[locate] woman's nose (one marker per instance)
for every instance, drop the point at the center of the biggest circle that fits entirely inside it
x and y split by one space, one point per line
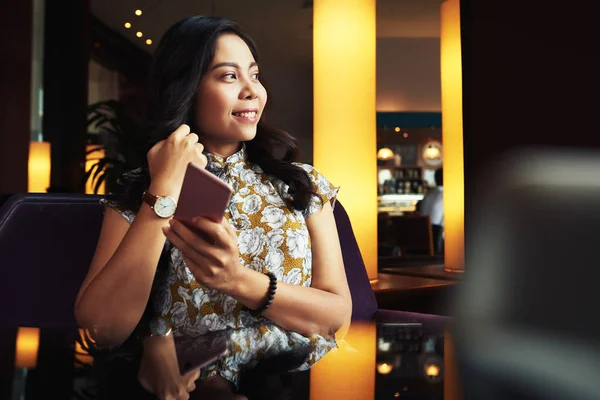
249 92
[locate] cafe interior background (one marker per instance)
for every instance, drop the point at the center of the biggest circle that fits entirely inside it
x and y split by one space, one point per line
521 68
408 100
402 126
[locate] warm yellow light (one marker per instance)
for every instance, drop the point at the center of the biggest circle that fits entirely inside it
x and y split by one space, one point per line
347 372
148 42
452 135
90 160
81 355
385 154
139 34
345 129
397 129
26 351
384 368
432 370
138 12
39 167
432 152
127 25
452 386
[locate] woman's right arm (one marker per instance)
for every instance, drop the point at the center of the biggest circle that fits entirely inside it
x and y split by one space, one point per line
114 294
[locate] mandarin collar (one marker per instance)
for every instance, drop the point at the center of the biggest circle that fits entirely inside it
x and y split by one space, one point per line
217 162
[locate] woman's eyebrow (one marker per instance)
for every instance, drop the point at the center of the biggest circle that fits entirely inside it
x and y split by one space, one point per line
233 65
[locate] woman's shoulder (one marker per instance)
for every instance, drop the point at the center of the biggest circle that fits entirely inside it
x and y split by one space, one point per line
305 166
324 190
310 169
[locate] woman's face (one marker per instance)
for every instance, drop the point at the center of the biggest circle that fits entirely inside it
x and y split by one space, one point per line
231 98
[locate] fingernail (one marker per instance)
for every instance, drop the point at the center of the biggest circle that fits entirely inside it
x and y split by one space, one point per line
166 229
171 222
195 219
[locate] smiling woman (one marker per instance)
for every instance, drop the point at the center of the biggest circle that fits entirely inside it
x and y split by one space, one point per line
268 279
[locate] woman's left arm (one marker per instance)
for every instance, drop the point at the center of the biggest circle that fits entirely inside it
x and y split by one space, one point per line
324 308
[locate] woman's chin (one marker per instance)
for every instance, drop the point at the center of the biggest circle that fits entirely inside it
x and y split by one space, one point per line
247 135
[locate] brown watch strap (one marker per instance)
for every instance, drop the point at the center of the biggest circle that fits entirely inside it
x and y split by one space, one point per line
149 199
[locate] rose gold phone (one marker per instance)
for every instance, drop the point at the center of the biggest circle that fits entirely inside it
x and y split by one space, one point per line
192 355
202 195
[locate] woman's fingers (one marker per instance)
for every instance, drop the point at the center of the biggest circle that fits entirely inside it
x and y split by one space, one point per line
197 239
180 392
189 379
180 132
216 232
228 228
191 251
198 263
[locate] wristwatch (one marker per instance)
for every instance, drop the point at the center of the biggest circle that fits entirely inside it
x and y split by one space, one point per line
163 206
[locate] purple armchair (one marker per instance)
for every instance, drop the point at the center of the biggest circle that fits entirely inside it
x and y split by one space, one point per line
47 242
364 304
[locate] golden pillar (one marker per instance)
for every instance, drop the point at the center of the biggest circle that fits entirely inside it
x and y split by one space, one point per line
345 131
38 167
452 136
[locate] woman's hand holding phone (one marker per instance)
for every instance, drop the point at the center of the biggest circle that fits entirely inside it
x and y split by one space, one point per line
210 251
159 371
169 158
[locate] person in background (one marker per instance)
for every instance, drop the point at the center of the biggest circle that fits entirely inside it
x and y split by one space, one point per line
432 205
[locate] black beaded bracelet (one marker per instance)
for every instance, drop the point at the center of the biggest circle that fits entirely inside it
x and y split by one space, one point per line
270 295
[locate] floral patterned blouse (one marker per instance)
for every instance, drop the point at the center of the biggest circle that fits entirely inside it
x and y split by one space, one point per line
271 237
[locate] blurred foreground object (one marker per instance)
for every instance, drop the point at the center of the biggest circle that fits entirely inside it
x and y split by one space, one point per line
528 325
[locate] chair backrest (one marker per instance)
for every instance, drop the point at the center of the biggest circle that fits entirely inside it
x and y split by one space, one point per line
46 245
47 242
364 304
412 232
383 227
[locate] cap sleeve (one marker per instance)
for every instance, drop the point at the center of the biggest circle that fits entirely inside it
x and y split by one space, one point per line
129 215
325 190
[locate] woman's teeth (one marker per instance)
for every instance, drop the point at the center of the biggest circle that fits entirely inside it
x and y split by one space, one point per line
251 114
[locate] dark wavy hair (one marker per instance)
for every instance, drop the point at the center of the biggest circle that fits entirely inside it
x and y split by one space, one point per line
183 56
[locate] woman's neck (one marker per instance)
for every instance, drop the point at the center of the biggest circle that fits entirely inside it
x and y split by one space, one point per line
222 150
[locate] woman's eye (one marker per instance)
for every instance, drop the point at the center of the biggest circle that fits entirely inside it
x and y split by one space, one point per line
256 76
230 76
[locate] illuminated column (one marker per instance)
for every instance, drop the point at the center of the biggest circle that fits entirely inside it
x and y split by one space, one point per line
26 352
347 372
345 133
452 136
39 167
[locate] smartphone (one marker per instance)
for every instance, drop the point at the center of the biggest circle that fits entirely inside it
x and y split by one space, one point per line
192 356
202 195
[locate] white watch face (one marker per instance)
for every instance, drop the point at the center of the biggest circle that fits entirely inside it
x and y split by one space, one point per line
165 207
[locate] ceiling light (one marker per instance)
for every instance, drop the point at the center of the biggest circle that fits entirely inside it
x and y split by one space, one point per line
138 12
385 154
384 368
139 34
148 42
432 370
127 25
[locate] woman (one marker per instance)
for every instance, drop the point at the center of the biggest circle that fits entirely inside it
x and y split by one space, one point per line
216 282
